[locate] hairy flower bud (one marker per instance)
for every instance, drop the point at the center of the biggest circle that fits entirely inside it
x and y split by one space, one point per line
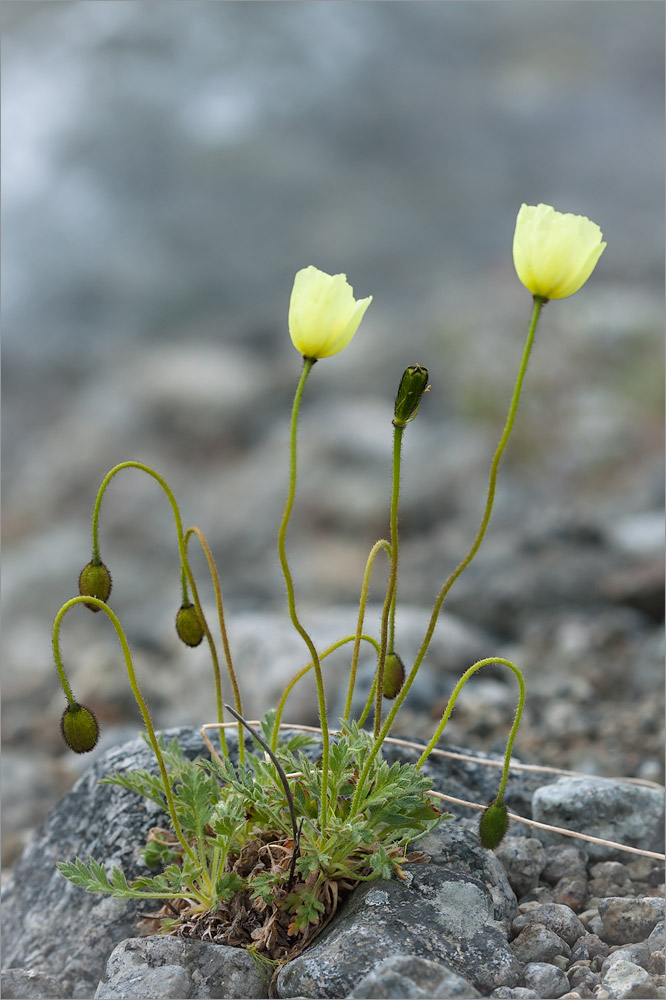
79 728
413 384
394 676
493 825
95 581
188 624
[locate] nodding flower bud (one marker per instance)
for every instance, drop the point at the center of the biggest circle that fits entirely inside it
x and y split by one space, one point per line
79 728
493 825
188 624
394 675
95 581
413 384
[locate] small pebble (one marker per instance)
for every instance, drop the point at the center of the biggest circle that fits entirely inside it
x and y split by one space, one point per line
628 920
564 862
547 980
514 993
537 943
560 919
522 859
571 892
589 946
582 976
655 964
637 953
656 940
625 979
640 867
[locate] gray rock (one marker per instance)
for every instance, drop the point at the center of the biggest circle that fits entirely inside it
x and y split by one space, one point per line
159 966
408 976
581 975
565 861
31 984
537 943
628 920
570 892
56 927
588 946
547 980
522 858
440 915
455 845
625 980
514 993
558 918
656 963
657 937
637 953
612 810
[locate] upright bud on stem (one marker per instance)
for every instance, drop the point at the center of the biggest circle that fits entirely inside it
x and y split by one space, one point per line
413 384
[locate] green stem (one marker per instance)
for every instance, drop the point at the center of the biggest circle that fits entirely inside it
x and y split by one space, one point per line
391 590
282 533
301 673
137 695
223 632
172 500
538 303
514 728
381 544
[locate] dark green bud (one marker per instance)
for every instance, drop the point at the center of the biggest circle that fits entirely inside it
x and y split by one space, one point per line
394 675
79 728
95 581
493 825
188 624
413 384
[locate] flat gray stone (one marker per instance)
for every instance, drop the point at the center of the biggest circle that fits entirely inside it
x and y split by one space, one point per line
159 967
408 977
612 810
436 914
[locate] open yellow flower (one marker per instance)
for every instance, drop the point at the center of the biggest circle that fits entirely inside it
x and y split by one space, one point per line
323 313
554 254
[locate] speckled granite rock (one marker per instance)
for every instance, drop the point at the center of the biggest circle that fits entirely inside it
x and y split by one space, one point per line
439 915
156 968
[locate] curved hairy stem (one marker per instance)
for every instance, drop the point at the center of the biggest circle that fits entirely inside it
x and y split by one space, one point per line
172 500
136 691
451 703
301 673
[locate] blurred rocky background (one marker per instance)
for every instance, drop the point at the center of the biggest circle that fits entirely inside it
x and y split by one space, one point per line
168 167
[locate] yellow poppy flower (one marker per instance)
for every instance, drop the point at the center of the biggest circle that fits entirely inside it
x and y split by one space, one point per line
323 313
554 254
